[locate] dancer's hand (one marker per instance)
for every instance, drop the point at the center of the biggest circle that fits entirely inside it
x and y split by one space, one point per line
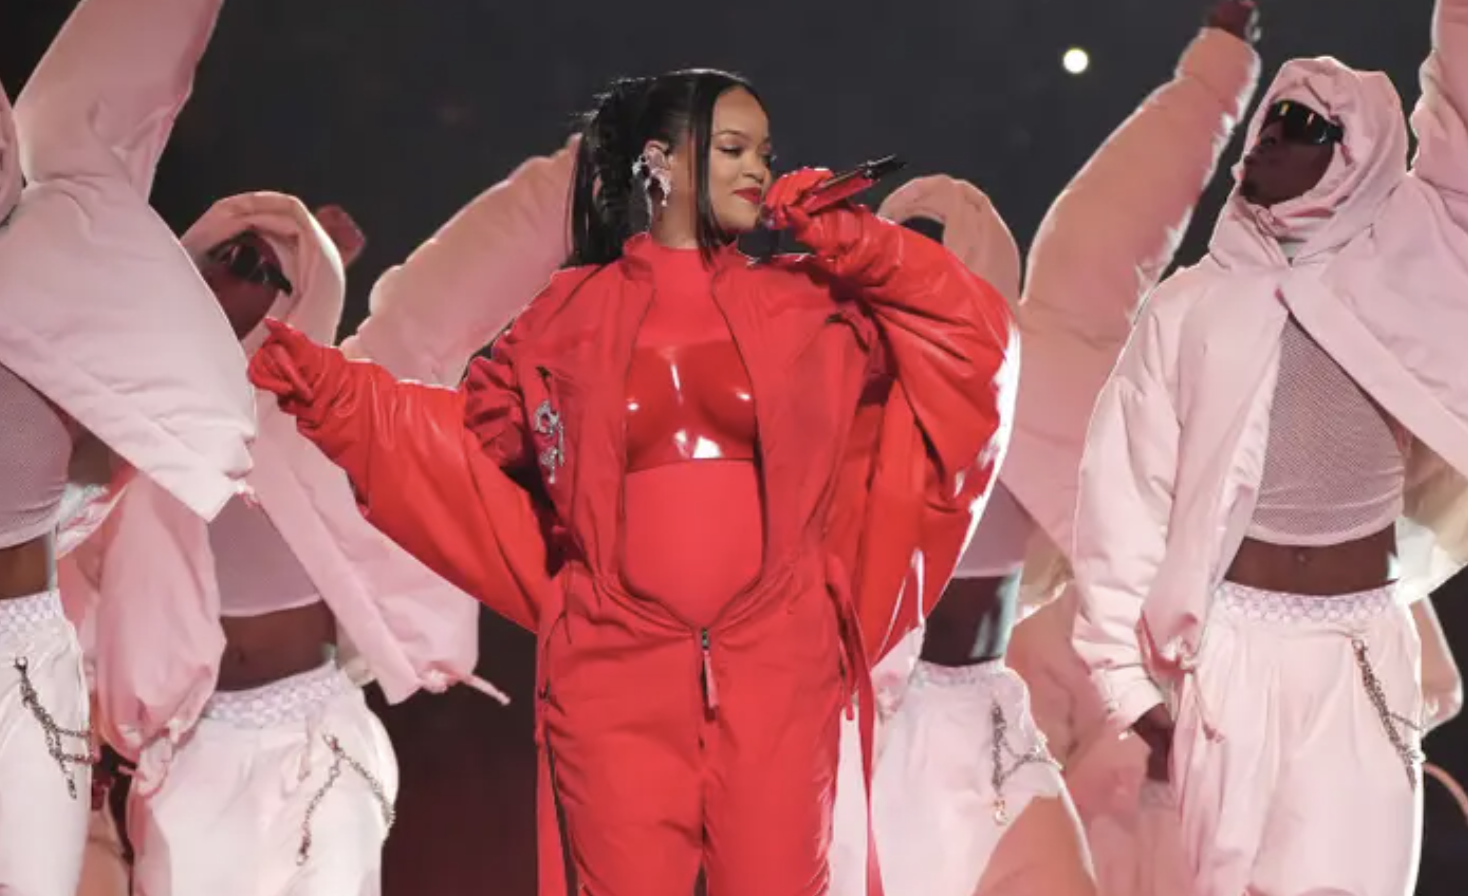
782 211
1238 17
344 232
286 364
1155 730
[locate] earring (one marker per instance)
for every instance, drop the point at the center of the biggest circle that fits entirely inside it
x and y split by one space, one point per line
650 174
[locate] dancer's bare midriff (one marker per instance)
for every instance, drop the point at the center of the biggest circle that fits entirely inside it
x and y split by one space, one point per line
262 649
1347 568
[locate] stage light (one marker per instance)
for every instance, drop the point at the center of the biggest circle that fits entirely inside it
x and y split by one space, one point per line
1076 60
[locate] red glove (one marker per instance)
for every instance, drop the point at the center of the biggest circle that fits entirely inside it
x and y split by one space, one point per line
821 232
287 364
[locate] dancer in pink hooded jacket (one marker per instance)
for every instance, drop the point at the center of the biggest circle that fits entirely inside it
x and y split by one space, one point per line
966 797
395 620
1276 470
94 383
230 655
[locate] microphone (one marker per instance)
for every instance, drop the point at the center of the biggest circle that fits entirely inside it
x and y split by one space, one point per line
849 183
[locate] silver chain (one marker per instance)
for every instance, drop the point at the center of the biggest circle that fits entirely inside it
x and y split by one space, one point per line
55 734
998 773
340 757
1411 757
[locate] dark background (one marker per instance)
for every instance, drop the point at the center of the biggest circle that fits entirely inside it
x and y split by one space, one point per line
402 111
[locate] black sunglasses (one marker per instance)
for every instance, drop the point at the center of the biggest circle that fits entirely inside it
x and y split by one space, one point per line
1301 124
243 259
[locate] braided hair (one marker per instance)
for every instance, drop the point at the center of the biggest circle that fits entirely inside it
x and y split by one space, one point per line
611 202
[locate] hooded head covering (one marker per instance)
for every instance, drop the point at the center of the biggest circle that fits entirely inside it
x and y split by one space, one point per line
1378 281
376 591
396 621
972 228
10 179
1369 164
308 259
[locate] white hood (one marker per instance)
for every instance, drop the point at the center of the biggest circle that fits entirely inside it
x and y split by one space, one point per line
308 259
1368 166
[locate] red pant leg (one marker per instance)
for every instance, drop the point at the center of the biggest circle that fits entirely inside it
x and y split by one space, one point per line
772 751
622 725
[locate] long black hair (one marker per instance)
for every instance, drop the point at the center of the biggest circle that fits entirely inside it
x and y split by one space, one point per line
609 203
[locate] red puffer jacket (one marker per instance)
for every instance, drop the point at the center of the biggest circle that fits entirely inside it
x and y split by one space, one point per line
883 386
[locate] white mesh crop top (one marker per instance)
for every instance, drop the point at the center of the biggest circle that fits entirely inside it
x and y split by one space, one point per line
36 440
1001 540
1334 468
257 571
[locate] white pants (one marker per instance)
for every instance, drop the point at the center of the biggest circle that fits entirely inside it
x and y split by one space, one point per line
1292 778
1131 823
104 871
45 772
937 812
284 790
1139 852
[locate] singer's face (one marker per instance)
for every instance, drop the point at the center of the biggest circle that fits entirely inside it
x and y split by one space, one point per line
739 161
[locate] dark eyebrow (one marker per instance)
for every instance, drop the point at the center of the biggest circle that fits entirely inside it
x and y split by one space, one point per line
736 133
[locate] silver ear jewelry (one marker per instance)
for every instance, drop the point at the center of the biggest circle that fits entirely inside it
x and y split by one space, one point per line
644 170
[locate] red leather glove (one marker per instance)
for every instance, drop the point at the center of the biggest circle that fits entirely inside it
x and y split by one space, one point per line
821 232
287 364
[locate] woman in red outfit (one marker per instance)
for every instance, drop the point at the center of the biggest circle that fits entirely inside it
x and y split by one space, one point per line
732 462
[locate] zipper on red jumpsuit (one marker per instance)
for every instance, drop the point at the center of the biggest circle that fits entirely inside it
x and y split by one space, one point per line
710 687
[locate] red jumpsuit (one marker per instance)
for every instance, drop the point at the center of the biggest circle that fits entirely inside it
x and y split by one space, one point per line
671 745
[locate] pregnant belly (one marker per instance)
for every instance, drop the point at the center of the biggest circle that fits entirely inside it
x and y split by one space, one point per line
694 535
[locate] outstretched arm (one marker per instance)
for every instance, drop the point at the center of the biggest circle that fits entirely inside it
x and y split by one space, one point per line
420 474
1110 236
456 291
1441 117
104 97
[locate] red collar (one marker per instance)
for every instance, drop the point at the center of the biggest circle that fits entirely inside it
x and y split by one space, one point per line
640 253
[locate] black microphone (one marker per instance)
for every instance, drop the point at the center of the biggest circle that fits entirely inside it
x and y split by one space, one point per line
849 183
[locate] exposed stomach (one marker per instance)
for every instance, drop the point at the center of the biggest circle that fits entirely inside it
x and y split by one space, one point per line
1362 564
28 568
694 536
262 649
972 621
